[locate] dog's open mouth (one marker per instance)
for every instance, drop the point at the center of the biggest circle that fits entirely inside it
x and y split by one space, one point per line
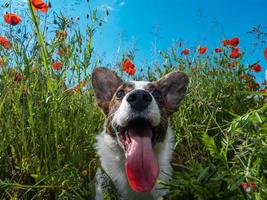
142 168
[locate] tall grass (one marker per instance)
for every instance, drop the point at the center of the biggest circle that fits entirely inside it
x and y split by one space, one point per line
48 119
220 131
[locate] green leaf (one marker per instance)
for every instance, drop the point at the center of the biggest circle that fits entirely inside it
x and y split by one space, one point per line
203 174
210 145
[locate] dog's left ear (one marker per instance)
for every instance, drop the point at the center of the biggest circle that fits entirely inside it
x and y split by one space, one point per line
105 82
173 88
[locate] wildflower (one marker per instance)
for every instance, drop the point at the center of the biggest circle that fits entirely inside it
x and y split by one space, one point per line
226 42
18 76
2 62
62 35
218 50
78 87
265 53
63 51
234 42
256 68
253 86
83 83
264 83
235 53
57 65
12 19
232 64
244 185
248 187
5 42
202 50
186 51
128 67
252 185
264 90
246 77
39 5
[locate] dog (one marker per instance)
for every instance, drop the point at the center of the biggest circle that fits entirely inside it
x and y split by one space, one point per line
136 145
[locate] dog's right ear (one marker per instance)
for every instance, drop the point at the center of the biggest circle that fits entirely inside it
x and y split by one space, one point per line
173 88
105 82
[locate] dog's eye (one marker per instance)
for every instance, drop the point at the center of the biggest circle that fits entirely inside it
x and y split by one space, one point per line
156 94
120 94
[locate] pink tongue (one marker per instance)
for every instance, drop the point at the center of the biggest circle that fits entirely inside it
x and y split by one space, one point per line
141 165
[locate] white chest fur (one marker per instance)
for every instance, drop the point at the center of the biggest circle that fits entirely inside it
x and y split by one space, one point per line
113 162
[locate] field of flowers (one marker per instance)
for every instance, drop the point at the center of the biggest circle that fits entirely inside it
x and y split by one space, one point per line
48 118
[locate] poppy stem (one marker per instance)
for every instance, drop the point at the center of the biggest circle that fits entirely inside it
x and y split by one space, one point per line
40 36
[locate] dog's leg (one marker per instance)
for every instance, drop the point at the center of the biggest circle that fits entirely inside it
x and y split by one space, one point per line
103 186
99 181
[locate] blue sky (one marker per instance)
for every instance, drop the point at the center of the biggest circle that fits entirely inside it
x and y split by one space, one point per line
147 24
150 23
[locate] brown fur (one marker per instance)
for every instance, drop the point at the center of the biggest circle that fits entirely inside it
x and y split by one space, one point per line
107 81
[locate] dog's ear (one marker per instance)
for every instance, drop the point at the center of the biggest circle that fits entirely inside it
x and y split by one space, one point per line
105 83
173 88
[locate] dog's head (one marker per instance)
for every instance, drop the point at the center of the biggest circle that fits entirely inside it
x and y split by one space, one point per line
137 117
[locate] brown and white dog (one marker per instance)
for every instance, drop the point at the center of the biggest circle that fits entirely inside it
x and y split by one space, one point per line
135 148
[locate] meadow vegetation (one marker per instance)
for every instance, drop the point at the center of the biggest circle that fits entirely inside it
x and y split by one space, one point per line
48 118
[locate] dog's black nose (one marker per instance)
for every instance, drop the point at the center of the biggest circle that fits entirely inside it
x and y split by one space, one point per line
139 99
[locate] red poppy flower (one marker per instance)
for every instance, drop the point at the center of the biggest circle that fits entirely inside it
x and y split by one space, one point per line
252 185
218 50
265 53
235 53
39 5
202 50
12 19
57 65
253 86
128 67
5 42
256 68
244 185
234 42
186 51
263 90
226 42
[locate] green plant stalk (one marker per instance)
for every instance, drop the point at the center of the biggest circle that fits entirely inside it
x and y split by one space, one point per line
40 36
56 135
20 186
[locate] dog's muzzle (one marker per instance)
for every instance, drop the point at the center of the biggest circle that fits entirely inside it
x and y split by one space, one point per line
134 123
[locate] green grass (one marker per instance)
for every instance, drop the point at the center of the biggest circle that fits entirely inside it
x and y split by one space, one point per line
48 123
